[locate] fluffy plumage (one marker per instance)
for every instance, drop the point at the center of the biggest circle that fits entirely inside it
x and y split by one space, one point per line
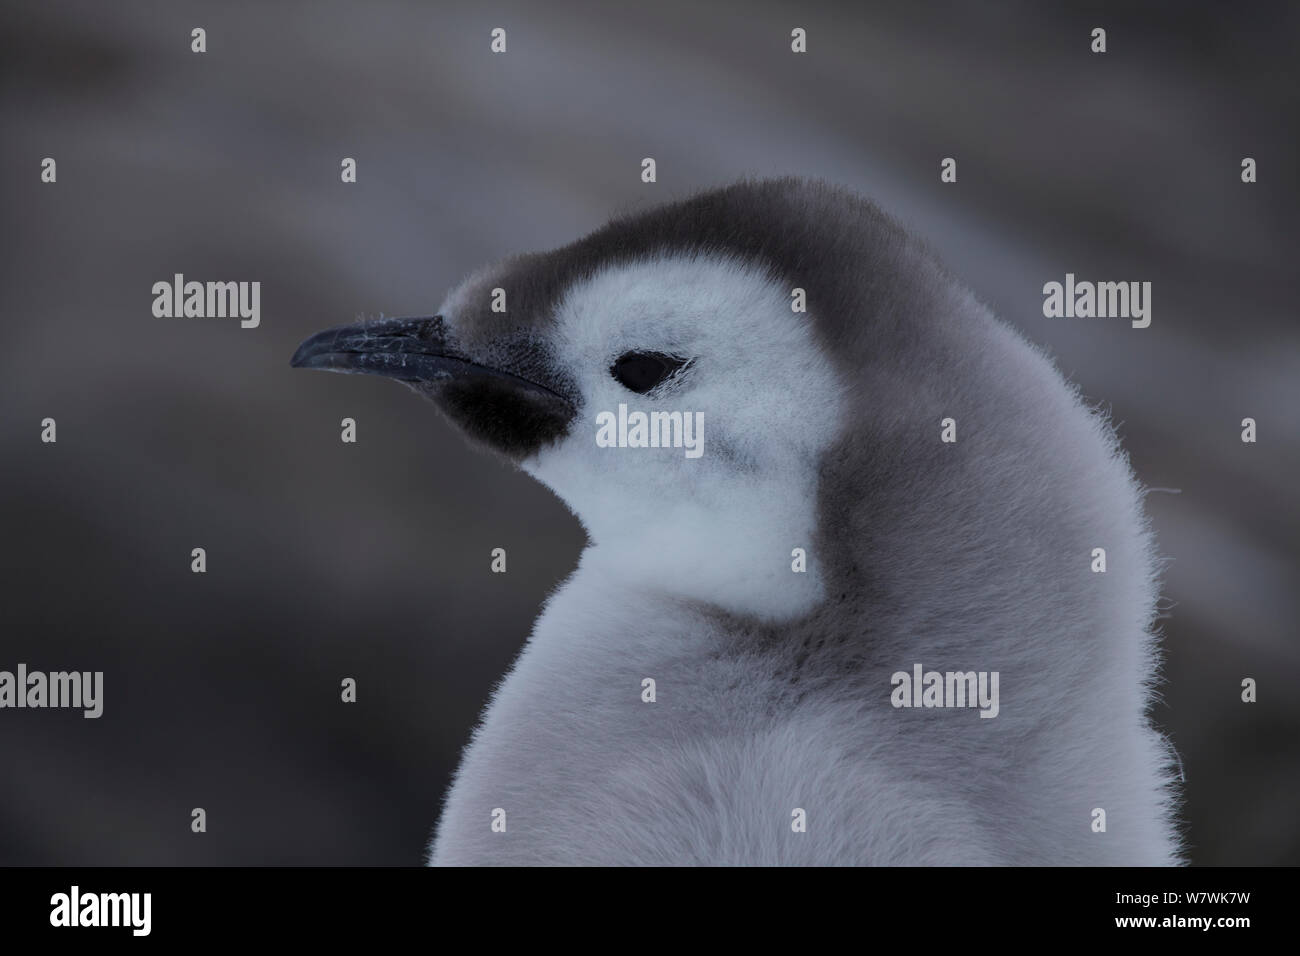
773 687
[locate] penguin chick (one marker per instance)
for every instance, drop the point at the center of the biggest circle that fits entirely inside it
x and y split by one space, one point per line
715 683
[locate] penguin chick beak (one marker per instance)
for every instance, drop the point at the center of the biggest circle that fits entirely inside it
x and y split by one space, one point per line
503 410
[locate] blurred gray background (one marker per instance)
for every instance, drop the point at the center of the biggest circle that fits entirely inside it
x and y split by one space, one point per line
371 560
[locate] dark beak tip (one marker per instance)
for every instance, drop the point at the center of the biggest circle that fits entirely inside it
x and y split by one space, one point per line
311 350
303 358
329 351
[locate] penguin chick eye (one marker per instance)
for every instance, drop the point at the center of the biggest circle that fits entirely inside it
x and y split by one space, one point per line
641 371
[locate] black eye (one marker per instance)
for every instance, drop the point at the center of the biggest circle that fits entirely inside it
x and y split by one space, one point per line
642 371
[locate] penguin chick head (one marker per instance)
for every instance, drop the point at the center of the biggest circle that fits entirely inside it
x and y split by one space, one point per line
690 311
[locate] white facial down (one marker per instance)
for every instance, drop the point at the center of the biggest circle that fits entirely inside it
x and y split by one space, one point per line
718 522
